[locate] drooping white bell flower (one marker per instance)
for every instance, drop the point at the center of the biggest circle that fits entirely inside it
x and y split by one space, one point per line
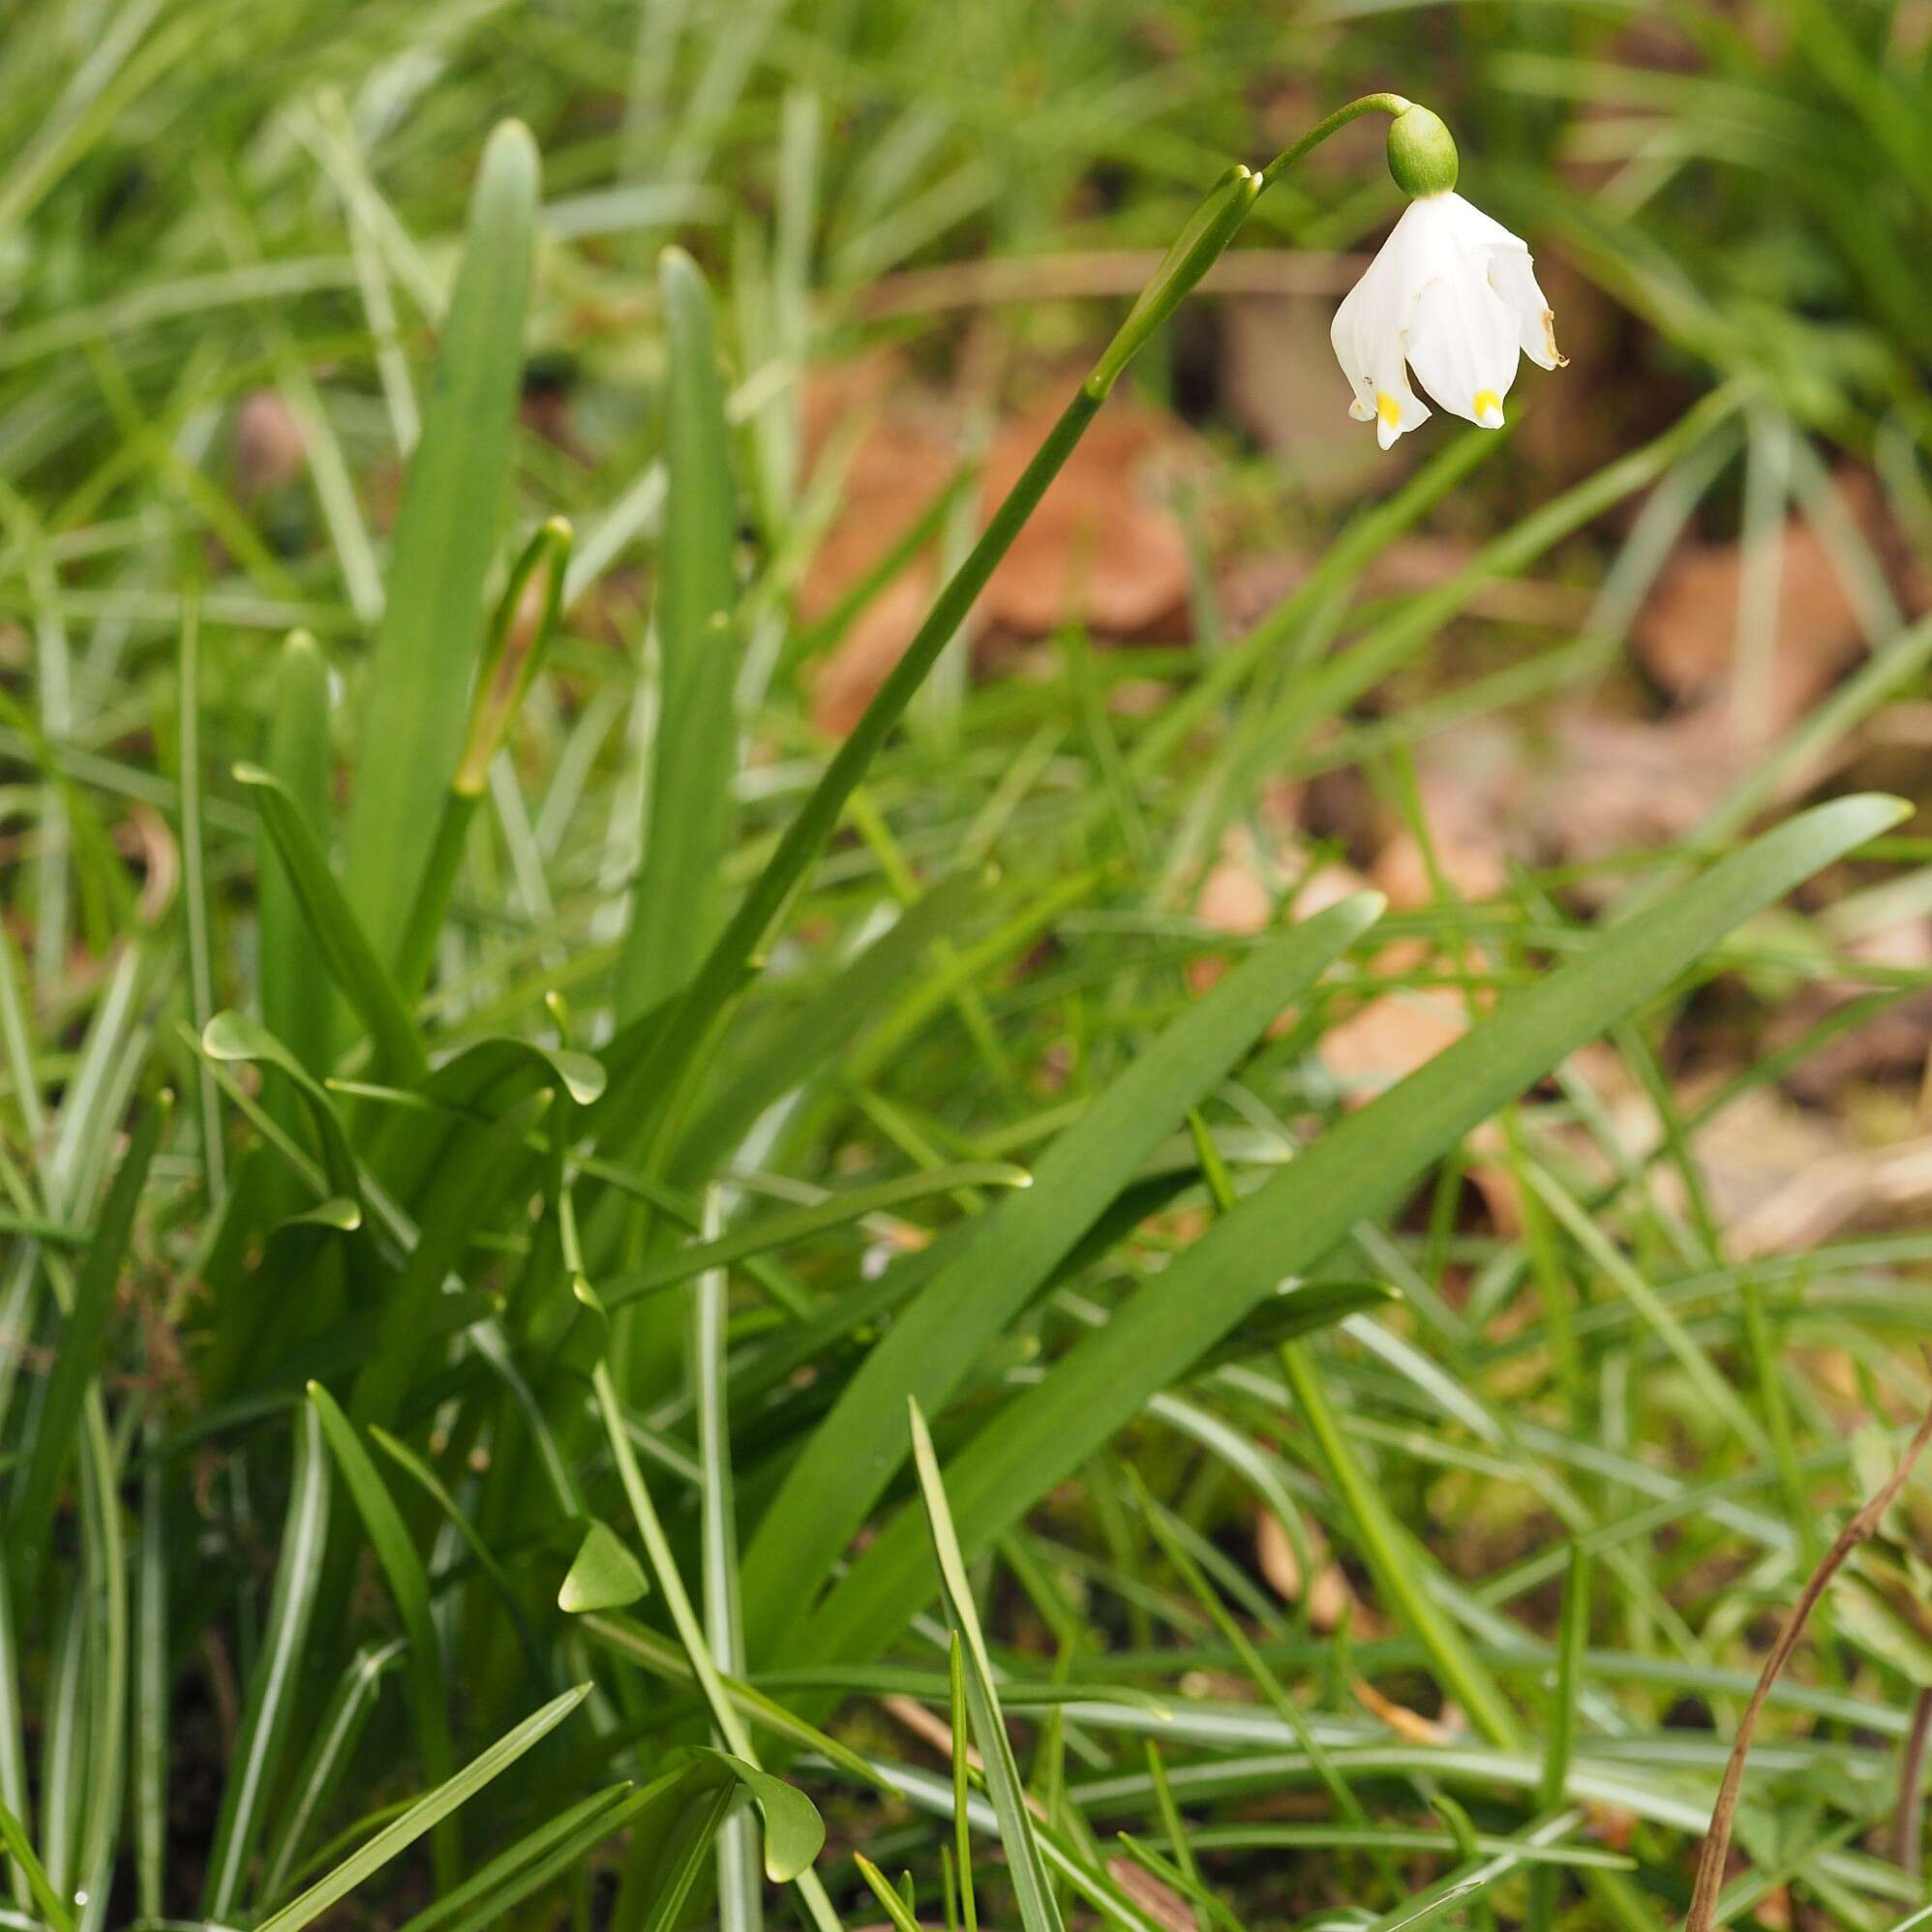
1452 295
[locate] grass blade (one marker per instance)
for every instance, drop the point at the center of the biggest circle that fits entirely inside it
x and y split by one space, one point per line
423 1816
781 1231
83 1339
297 756
409 1585
418 679
1033 1891
19 1848
338 935
272 1685
673 911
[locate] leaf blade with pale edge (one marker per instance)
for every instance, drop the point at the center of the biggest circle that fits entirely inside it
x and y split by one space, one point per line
83 1337
779 1230
1358 1170
1033 1890
272 1684
422 1816
417 682
18 1846
844 1468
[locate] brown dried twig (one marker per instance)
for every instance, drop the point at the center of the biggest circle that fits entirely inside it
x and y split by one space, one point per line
1701 1916
1912 1783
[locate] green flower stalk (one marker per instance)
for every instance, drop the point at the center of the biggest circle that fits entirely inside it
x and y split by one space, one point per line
637 1108
520 633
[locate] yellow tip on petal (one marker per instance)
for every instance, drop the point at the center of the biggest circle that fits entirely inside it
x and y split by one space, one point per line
1387 408
1488 407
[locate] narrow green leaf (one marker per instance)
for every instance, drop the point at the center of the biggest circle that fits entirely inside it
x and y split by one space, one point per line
783 1057
423 1816
83 1337
338 936
331 1751
675 904
1359 1170
782 1230
19 1848
417 682
273 1682
293 1007
661 1657
605 1575
837 1479
487 1895
1033 1890
886 1893
409 1585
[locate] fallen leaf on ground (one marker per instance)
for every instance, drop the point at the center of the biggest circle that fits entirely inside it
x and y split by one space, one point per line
1332 1597
1103 550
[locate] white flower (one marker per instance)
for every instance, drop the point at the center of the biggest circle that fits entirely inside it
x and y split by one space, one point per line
1453 296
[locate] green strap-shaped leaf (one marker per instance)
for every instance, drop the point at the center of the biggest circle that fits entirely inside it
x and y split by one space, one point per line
844 1468
674 909
1360 1170
293 1005
346 950
423 1816
273 1682
18 1846
487 1895
409 1585
464 1191
799 1042
83 1337
780 1230
415 706
1033 1890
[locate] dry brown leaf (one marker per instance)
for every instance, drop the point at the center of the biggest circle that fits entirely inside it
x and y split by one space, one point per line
1158 1900
1331 1599
1815 1204
1625 783
1687 634
1408 1725
1103 550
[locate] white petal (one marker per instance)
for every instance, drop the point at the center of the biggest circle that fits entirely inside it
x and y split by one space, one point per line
1513 276
1462 344
1471 228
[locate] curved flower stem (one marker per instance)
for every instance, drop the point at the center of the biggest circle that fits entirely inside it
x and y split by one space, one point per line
1390 105
638 1108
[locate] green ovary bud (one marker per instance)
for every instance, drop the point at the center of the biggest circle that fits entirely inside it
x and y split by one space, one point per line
1422 153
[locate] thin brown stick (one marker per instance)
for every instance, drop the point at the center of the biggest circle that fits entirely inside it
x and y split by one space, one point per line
1911 1819
1701 1916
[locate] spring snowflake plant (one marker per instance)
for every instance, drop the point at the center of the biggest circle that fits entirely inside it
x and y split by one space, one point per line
1452 295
